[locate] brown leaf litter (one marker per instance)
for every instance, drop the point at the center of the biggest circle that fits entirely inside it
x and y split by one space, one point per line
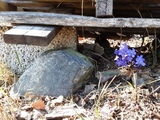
115 99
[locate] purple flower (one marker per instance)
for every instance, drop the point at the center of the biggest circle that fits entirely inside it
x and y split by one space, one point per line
126 56
129 58
121 62
140 61
123 46
116 52
131 53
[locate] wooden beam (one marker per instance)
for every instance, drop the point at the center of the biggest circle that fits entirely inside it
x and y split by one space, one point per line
74 1
62 11
42 9
117 1
127 6
126 31
76 20
31 35
106 35
7 7
27 3
115 32
138 1
104 8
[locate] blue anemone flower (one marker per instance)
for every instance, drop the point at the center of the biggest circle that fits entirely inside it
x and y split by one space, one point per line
126 56
131 53
140 61
121 62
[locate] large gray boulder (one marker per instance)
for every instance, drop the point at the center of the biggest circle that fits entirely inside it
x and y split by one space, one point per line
55 73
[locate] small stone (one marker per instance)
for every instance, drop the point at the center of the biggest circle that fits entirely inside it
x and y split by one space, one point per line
106 75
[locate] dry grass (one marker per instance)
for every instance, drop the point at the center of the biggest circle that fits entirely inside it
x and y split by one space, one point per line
118 102
7 77
104 103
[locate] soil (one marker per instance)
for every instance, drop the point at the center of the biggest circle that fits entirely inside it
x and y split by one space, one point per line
115 99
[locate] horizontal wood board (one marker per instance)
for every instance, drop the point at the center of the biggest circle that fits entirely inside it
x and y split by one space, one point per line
121 8
76 20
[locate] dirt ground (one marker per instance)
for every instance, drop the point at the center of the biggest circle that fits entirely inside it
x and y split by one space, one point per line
114 99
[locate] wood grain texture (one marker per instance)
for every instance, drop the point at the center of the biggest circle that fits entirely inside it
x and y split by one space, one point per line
7 7
76 20
120 1
122 8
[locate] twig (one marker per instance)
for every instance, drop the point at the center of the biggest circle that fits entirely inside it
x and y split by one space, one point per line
101 57
154 90
59 4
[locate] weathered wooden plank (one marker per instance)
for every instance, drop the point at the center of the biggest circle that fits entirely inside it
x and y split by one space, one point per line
139 1
75 1
118 1
113 32
104 8
62 11
42 9
127 31
7 7
31 35
27 3
76 20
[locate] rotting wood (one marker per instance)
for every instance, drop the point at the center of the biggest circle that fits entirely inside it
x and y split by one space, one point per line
76 20
31 35
104 8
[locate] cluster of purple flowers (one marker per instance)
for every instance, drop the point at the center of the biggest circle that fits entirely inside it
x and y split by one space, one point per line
126 56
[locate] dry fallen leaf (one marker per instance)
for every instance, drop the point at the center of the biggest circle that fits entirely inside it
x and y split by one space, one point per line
39 105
